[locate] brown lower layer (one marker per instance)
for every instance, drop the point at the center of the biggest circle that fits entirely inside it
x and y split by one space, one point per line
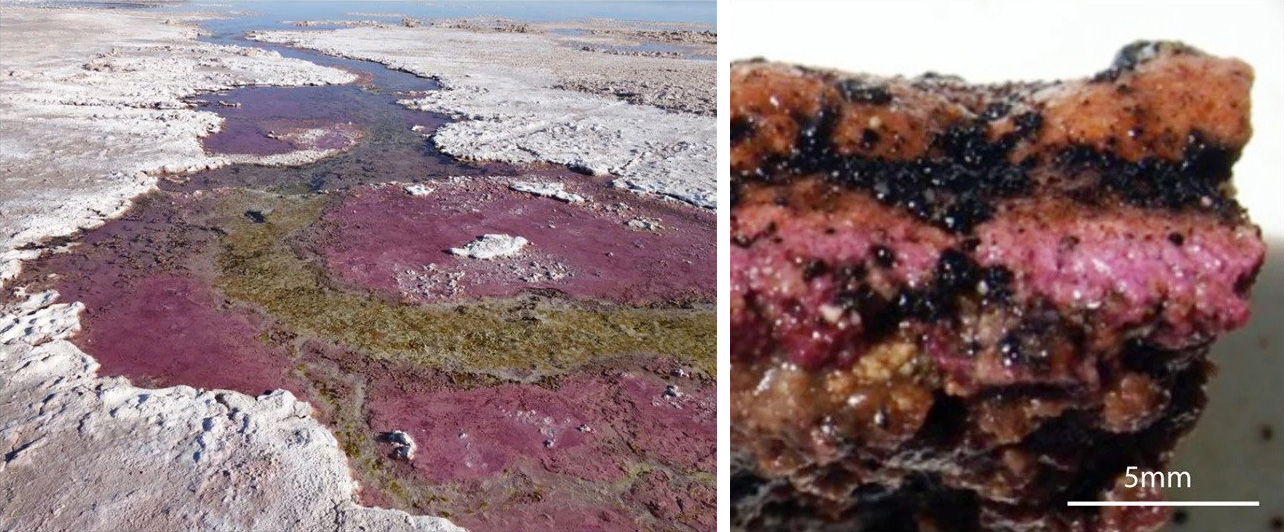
903 455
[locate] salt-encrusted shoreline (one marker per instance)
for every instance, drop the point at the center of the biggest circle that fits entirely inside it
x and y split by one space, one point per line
500 87
91 123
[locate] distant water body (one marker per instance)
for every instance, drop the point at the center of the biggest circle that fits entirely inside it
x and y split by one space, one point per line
256 15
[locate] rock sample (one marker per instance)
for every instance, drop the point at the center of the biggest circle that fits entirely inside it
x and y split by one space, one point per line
959 307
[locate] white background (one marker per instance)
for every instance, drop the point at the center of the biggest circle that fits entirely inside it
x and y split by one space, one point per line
988 41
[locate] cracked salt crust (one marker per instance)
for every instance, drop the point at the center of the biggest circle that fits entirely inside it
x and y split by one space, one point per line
499 87
88 124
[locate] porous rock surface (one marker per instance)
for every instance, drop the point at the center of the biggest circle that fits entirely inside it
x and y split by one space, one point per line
501 87
88 124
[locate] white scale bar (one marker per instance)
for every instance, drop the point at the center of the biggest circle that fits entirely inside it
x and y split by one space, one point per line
1163 503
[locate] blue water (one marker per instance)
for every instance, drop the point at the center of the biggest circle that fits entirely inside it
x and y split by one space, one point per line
263 15
251 15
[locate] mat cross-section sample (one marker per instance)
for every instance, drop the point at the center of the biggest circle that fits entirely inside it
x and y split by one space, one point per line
959 306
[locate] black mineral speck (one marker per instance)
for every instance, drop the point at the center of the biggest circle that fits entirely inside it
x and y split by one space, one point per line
1176 238
857 91
741 128
813 268
848 276
869 138
995 111
954 271
744 241
1137 53
884 256
813 149
864 301
1027 344
1010 350
924 306
1204 158
255 216
1022 348
969 143
746 485
1068 243
965 214
998 284
1027 124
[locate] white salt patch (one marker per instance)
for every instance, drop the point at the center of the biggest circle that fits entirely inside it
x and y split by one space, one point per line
418 190
643 223
551 190
491 246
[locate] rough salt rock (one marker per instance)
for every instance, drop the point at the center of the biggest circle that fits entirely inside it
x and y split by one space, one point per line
491 246
419 190
589 168
400 437
405 445
644 224
547 189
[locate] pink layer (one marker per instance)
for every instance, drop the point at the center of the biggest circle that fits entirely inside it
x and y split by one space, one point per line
1172 279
